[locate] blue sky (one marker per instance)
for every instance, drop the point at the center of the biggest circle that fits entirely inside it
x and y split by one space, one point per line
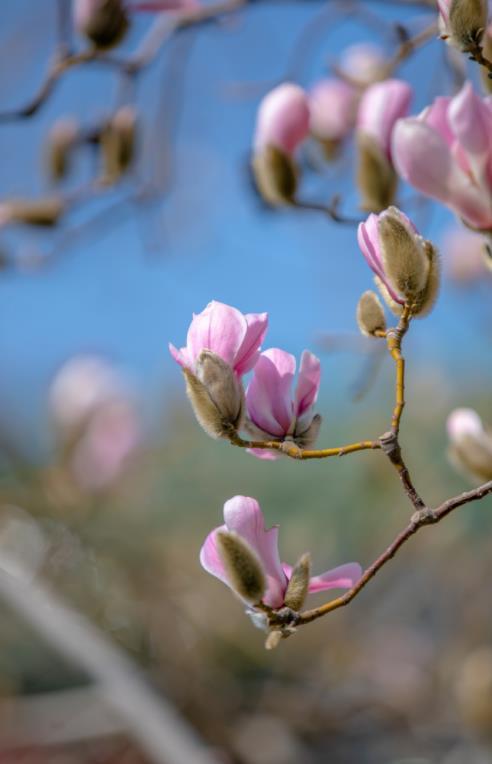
112 295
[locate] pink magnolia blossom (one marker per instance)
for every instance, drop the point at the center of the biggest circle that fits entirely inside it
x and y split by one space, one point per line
243 516
363 64
272 409
446 153
224 330
380 107
464 422
369 241
283 119
333 106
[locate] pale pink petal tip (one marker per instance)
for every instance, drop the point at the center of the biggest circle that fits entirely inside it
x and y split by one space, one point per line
463 422
343 577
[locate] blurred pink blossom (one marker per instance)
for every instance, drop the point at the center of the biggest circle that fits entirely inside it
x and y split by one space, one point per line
332 106
363 64
464 422
283 118
272 409
464 255
243 516
446 153
224 330
380 107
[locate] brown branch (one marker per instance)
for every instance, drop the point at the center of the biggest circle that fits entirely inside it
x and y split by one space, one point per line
327 209
475 52
162 29
425 516
290 449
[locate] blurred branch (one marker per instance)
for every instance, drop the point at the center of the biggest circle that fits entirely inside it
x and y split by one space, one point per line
162 29
152 720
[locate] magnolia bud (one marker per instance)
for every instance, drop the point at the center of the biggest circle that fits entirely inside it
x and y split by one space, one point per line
215 394
487 52
41 212
297 588
467 21
103 22
118 143
370 314
376 178
61 140
410 262
243 568
275 175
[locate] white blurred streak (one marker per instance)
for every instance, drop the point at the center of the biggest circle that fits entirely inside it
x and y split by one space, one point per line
152 721
23 546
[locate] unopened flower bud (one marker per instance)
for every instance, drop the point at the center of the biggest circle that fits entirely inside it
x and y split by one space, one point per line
215 394
470 444
405 264
462 22
61 140
487 52
275 175
41 212
118 143
376 178
273 640
370 314
103 22
243 568
363 64
298 585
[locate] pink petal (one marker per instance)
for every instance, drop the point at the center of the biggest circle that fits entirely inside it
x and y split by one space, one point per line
368 239
247 355
180 356
219 328
332 106
436 116
268 397
210 558
381 106
283 118
264 453
243 515
471 121
422 157
343 577
308 383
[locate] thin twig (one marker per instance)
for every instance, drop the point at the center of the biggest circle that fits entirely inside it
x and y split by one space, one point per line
290 449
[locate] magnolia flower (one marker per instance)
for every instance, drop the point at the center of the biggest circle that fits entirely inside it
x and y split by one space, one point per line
363 64
224 330
222 345
272 410
283 119
281 125
404 263
244 519
470 444
446 153
380 107
332 106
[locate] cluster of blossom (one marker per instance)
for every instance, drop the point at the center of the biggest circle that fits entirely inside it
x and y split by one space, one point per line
223 345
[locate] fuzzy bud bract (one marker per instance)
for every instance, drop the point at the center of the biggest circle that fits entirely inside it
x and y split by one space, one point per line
462 22
242 566
370 314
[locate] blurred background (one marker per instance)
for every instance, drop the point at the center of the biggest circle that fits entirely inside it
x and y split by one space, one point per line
108 485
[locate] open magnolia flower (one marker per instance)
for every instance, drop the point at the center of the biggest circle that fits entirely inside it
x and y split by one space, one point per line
446 153
470 447
222 345
405 264
273 411
245 556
